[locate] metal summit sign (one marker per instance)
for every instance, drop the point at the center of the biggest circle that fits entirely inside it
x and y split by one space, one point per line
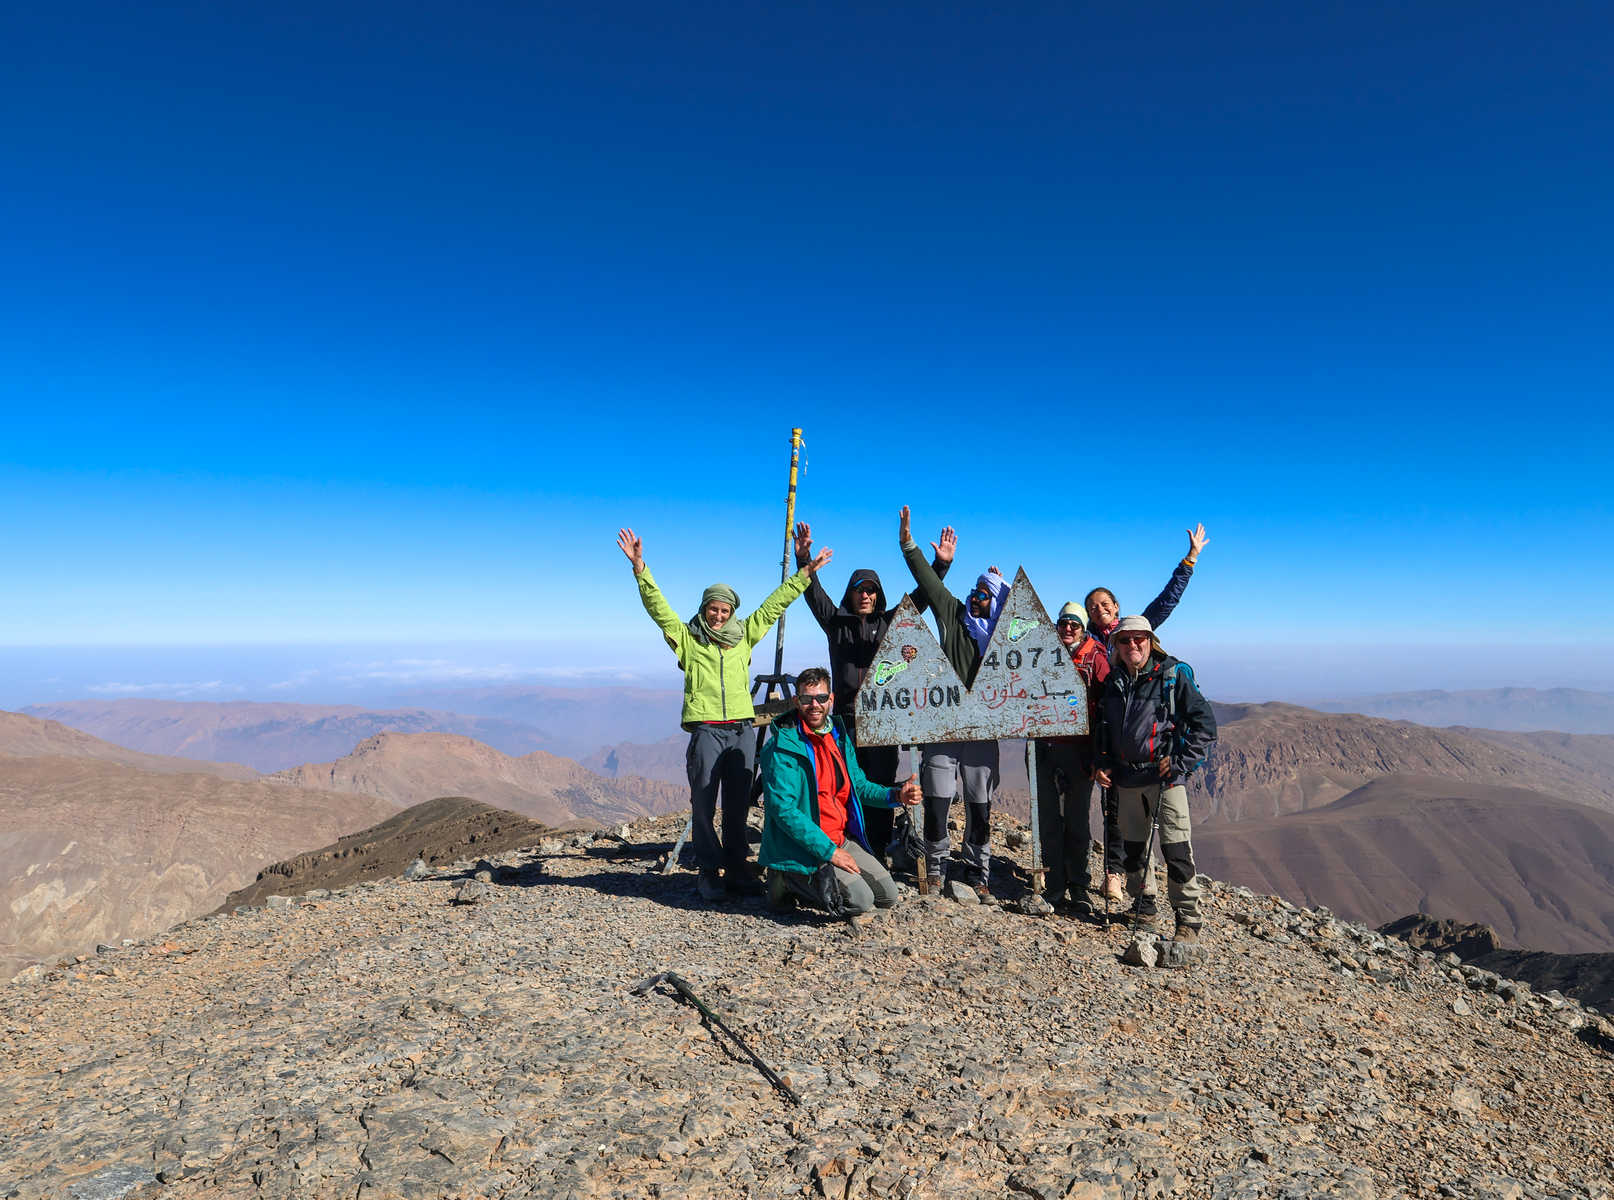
1026 686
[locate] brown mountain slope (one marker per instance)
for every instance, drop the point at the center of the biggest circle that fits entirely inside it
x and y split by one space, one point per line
663 760
1538 870
1273 759
25 736
97 851
1591 753
440 831
409 768
271 737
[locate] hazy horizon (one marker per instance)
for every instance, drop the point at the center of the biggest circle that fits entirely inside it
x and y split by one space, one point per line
396 674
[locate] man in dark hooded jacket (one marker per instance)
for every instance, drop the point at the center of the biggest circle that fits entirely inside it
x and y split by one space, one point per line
854 629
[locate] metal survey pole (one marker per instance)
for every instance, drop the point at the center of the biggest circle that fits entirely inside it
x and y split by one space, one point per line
777 679
785 563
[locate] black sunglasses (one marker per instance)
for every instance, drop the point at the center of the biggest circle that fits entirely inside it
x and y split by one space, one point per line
813 697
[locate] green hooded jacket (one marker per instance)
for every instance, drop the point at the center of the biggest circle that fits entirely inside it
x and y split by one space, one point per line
717 682
792 839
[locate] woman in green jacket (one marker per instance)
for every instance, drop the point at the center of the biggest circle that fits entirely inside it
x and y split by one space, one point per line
714 649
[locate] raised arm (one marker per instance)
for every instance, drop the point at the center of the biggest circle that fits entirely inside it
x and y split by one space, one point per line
650 595
930 589
1163 605
817 598
941 562
771 609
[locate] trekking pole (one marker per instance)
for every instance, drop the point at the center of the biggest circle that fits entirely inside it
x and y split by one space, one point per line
676 981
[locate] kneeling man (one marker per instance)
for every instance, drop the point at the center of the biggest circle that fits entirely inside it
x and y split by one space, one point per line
813 843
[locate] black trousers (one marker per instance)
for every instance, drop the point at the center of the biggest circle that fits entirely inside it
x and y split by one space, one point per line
881 764
719 760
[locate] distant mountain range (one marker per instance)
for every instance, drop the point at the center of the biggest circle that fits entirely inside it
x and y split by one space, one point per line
269 736
1327 807
101 843
1567 710
408 768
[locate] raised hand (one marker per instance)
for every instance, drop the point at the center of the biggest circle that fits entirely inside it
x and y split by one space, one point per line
823 557
1196 541
632 545
1101 777
945 546
903 534
804 543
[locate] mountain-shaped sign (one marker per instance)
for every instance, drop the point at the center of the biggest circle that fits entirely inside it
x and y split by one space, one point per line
1026 686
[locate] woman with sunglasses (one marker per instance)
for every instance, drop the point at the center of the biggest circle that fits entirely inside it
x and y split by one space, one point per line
854 629
714 650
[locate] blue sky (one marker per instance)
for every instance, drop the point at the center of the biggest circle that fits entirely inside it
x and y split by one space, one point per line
361 325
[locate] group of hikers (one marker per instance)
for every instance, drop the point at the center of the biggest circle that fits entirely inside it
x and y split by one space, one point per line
830 805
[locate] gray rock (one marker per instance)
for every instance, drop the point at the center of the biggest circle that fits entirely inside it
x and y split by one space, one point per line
472 891
1180 954
111 1184
1460 1007
280 901
1142 951
417 870
962 892
483 877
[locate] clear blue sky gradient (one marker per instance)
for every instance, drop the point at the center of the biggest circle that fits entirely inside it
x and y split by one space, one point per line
370 323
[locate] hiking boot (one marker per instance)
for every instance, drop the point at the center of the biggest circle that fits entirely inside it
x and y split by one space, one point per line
982 893
742 881
933 885
1186 933
710 885
1115 888
1145 908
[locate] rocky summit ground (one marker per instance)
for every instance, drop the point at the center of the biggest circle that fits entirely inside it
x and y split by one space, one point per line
453 1037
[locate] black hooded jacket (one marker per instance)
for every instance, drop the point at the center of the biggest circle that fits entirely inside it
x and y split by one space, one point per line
853 639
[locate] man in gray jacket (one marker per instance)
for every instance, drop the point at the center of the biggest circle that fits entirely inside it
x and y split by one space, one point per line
1154 730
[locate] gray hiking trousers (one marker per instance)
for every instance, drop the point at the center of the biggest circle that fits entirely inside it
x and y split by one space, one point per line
1139 808
719 759
949 769
841 892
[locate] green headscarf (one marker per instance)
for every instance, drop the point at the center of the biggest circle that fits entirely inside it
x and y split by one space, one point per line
727 637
